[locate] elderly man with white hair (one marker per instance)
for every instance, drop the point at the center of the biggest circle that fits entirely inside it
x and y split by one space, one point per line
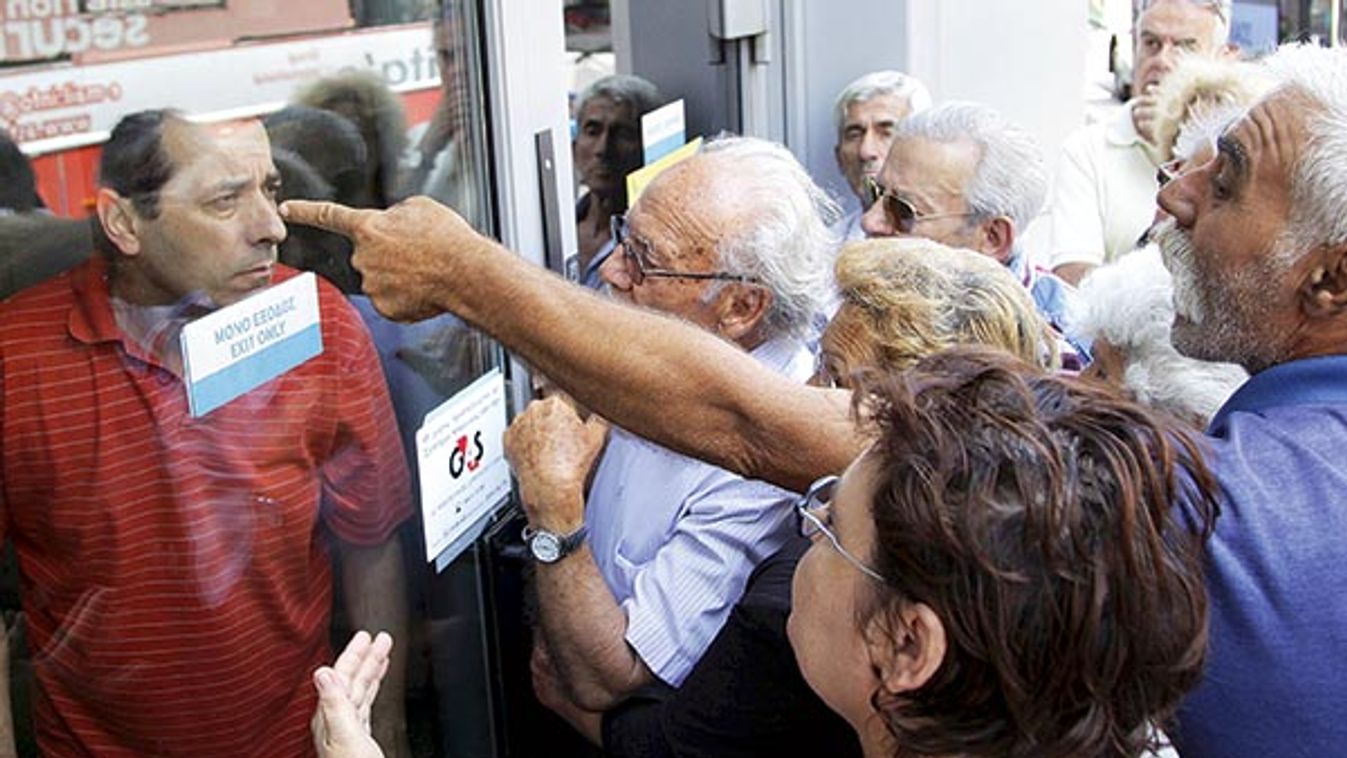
963 175
635 583
866 112
1125 308
1103 191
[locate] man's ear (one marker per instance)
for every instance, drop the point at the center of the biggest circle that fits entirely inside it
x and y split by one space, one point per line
996 238
906 647
1324 289
741 310
119 220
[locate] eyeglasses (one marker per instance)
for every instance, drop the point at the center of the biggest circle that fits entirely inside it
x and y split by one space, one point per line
902 216
815 517
636 255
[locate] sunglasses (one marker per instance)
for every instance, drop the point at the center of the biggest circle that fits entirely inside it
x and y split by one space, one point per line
636 256
901 215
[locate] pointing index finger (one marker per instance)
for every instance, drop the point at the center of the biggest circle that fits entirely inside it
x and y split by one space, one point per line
333 217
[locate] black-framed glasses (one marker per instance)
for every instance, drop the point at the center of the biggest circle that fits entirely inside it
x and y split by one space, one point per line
813 510
636 255
901 214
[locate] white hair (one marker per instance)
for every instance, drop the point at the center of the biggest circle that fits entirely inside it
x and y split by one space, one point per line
877 84
1011 179
1129 304
1318 184
622 88
1222 8
787 244
1203 129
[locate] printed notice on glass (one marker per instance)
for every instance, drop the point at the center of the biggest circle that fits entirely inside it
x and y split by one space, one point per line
462 468
238 348
662 131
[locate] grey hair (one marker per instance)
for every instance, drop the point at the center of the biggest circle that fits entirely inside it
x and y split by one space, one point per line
1129 304
1224 10
622 88
877 84
788 244
1318 184
1011 179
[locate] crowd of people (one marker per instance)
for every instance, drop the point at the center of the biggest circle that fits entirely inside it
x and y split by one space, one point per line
895 482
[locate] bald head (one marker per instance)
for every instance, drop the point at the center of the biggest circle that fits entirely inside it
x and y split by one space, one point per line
743 207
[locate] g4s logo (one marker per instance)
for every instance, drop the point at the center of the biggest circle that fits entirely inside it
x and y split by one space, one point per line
458 458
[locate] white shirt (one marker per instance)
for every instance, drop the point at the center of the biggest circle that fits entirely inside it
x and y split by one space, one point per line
1103 193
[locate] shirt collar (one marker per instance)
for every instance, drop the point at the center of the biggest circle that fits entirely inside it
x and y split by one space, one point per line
1309 381
1122 132
91 319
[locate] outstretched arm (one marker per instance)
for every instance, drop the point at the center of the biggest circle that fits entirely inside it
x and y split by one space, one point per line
651 374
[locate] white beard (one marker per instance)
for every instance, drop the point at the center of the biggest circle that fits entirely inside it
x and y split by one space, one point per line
1176 250
1228 316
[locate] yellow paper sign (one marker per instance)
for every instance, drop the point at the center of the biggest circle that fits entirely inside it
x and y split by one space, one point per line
641 178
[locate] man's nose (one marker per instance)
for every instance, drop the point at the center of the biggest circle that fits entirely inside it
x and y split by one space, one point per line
872 147
603 144
267 228
875 221
1176 198
1169 57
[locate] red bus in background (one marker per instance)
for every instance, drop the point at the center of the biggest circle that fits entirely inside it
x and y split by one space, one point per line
73 68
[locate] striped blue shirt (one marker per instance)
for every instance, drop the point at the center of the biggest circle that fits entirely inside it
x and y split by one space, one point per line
676 538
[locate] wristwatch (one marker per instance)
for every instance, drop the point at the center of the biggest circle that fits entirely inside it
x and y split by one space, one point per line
549 547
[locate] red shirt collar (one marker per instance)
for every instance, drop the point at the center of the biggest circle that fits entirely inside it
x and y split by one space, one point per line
91 318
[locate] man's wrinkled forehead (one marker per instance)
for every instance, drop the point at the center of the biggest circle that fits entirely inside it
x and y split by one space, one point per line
921 163
211 152
884 106
1272 129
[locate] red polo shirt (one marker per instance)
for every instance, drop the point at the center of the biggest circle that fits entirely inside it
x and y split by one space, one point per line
175 571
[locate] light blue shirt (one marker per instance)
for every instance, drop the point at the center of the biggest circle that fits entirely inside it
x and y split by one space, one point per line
675 538
848 228
1051 296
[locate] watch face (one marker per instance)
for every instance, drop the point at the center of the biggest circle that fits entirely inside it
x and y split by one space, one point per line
545 547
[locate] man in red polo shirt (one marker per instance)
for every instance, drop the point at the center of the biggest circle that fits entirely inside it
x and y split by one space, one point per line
175 570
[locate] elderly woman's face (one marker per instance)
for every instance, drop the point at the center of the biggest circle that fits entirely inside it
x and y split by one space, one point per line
826 594
846 346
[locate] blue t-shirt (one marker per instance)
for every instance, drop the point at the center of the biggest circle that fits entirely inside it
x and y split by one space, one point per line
1276 677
